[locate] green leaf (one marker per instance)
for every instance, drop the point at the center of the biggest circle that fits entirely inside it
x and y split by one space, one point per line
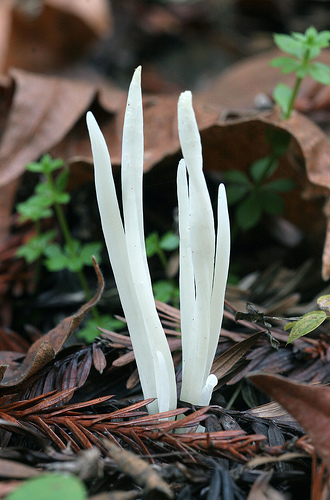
282 96
61 180
169 242
61 198
90 330
34 208
287 64
35 247
236 176
44 189
236 192
263 168
34 167
47 191
289 45
248 213
302 71
50 487
49 165
56 259
165 291
279 185
320 72
272 203
278 139
324 302
306 324
152 244
89 249
323 39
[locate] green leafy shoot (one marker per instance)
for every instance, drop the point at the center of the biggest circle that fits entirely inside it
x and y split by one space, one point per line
46 202
304 48
36 246
90 329
253 193
164 290
309 321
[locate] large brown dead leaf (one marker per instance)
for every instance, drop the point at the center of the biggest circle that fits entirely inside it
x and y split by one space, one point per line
237 87
237 142
45 35
45 349
309 405
42 111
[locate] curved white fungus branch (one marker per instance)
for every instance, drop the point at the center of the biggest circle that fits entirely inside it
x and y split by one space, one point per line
204 260
127 252
201 329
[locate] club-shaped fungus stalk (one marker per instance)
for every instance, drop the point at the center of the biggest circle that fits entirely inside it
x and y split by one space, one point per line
204 262
127 253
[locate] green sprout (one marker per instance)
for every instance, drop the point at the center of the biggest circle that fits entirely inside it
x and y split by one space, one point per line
254 194
309 321
304 48
164 290
47 201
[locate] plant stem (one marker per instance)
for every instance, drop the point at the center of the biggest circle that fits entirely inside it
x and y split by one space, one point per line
162 257
69 241
294 94
293 98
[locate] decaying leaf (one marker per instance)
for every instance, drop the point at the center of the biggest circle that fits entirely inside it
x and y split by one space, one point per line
44 349
224 364
309 405
324 302
46 35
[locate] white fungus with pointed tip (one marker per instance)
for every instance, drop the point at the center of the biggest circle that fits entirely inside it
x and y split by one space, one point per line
126 249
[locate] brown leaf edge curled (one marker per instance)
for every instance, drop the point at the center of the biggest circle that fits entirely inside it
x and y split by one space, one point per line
46 348
309 405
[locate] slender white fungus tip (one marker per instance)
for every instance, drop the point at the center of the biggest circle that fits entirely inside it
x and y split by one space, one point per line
210 384
127 252
189 135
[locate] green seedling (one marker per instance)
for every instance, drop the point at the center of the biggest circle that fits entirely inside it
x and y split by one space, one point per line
254 194
47 201
309 321
299 326
304 48
164 290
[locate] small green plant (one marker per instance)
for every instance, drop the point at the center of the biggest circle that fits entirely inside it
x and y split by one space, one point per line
304 48
253 193
164 290
47 201
309 321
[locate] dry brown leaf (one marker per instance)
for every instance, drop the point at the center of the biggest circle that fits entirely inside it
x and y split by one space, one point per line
43 110
225 363
44 350
45 35
309 405
15 470
237 87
